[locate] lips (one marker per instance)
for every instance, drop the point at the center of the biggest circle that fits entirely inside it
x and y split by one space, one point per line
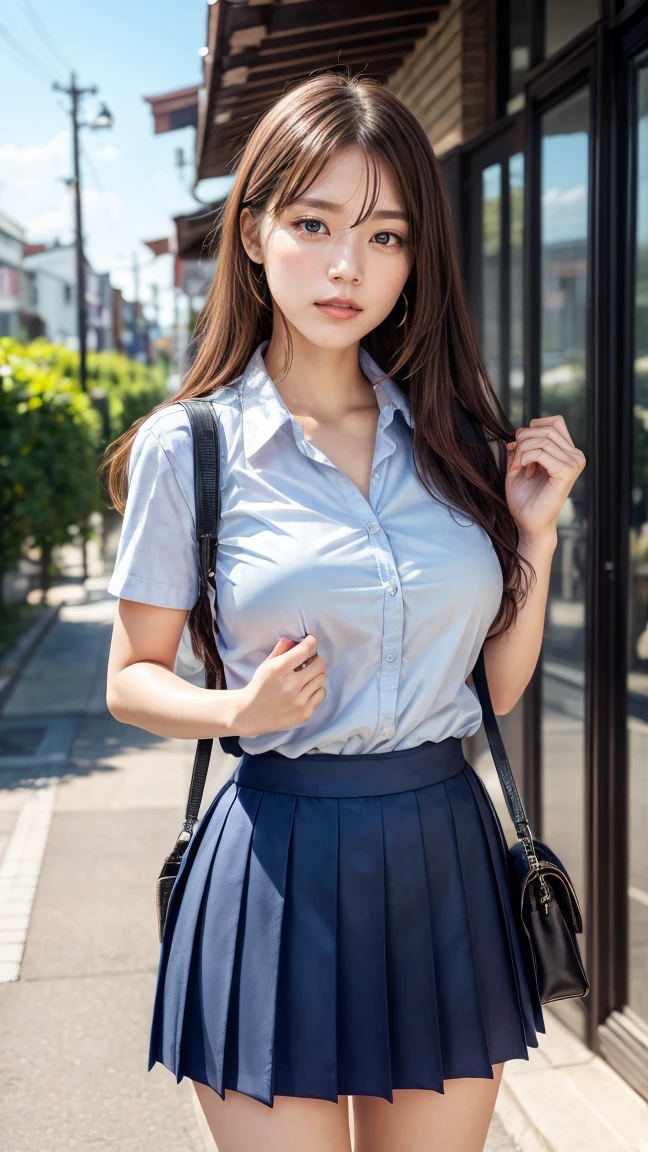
339 308
339 302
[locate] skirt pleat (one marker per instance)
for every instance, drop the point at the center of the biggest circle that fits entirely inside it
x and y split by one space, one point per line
308 971
364 1064
253 994
214 945
183 913
411 970
322 944
461 1026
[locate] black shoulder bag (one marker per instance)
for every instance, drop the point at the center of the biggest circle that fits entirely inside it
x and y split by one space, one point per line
547 911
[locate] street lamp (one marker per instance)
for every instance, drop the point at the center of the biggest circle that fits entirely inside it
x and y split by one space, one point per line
103 119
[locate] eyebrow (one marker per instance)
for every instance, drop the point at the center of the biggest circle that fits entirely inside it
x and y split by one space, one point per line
329 206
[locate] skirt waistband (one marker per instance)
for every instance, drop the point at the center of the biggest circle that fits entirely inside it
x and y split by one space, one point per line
339 775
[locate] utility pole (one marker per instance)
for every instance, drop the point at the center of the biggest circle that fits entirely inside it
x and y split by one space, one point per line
103 120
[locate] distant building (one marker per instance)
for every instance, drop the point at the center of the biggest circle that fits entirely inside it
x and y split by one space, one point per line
50 304
12 238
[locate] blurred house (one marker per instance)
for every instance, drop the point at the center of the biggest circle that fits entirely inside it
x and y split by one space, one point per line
538 113
12 237
50 304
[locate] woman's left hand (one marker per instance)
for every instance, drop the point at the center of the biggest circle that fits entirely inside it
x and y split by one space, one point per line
543 463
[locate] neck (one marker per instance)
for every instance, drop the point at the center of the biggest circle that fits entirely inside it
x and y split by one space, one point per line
322 383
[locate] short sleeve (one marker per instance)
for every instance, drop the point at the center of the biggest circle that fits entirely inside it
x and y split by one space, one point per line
157 556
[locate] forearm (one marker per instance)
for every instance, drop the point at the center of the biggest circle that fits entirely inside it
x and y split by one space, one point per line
150 696
511 657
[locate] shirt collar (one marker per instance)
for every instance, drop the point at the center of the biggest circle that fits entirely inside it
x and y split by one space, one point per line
264 410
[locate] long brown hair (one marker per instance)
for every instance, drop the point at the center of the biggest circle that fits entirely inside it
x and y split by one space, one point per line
434 355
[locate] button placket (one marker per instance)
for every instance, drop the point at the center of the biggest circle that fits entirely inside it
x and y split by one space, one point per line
392 640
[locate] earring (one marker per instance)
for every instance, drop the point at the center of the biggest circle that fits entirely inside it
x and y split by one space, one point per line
259 278
401 322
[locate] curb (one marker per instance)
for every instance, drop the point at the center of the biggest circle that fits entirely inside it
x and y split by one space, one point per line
16 659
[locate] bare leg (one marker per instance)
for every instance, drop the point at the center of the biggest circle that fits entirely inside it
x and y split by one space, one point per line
456 1120
240 1124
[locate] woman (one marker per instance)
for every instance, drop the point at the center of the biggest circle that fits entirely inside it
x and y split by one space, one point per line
341 927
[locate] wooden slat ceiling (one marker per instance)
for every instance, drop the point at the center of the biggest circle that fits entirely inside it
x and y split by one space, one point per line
195 238
258 50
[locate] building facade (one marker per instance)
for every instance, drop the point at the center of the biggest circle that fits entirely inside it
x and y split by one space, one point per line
538 111
12 238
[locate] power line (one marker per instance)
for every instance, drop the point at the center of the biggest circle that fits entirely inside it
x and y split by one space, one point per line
17 47
41 31
90 162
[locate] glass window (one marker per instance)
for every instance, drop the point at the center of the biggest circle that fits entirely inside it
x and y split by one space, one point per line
516 287
520 45
491 270
638 593
564 389
563 21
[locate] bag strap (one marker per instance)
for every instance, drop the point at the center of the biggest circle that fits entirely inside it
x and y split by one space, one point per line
206 460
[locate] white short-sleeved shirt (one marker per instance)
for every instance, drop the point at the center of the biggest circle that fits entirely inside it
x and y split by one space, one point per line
399 591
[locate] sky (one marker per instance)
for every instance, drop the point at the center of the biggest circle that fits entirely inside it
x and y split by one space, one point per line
131 187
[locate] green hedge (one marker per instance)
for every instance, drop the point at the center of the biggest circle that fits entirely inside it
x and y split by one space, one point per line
53 436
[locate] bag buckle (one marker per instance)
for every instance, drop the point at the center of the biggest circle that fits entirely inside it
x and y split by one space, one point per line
524 834
187 829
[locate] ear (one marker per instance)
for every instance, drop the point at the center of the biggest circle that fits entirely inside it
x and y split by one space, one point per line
250 236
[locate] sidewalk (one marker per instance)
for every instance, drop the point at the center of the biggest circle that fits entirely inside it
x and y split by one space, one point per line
88 810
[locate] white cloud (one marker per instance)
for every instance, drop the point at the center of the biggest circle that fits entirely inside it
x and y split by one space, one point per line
46 226
108 152
55 154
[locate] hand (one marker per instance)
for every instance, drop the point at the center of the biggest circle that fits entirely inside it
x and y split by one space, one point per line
284 690
543 464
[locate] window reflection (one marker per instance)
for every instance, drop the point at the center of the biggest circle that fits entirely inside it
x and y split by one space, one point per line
638 594
516 287
563 385
491 270
564 21
520 46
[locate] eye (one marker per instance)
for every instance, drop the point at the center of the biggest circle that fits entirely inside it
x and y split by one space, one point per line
309 231
383 238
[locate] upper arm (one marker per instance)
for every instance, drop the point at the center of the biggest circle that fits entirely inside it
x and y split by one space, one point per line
144 632
157 556
156 574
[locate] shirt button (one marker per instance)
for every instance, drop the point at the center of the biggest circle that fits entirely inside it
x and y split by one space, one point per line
375 476
389 657
390 588
372 526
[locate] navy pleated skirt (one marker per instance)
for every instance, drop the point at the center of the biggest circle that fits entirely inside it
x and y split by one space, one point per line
343 925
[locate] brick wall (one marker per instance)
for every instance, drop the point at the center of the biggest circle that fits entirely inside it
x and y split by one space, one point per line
446 80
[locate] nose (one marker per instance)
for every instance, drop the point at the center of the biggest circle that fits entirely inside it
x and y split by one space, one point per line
346 260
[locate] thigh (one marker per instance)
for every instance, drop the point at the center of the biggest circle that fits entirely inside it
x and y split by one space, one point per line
241 1124
418 1121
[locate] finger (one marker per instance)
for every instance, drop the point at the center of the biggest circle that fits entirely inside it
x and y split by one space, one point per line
557 450
557 421
550 432
313 668
299 653
312 686
557 467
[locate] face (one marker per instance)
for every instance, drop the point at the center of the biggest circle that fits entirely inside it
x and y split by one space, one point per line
312 254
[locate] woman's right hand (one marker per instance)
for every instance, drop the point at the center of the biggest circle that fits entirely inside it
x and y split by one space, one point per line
282 695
